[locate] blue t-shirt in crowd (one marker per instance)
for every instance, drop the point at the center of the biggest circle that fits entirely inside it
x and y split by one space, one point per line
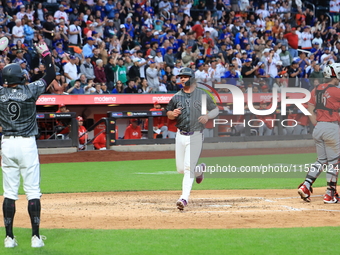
231 78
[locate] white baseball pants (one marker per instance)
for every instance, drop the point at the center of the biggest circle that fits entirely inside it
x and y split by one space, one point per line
20 156
188 150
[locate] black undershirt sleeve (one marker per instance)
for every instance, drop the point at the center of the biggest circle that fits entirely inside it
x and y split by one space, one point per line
50 70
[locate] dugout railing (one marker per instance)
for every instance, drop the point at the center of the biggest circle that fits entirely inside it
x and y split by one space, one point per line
92 128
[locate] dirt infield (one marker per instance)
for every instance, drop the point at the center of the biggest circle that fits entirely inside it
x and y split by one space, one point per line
207 209
156 210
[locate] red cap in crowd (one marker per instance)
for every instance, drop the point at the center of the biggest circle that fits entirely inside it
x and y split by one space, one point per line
79 118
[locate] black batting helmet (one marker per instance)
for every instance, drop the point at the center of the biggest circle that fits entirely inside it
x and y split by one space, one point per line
12 74
188 72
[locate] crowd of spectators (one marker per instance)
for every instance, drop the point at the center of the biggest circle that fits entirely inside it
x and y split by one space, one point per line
139 46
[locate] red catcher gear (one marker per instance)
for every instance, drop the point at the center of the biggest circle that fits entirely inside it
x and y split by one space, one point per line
331 101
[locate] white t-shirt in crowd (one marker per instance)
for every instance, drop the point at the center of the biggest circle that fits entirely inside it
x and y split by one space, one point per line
162 88
199 76
159 59
187 9
58 15
265 13
71 70
73 39
142 68
18 31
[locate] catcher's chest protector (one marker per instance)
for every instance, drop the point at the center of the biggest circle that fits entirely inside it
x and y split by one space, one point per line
321 100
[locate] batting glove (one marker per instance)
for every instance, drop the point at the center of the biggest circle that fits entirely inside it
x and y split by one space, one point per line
42 49
3 43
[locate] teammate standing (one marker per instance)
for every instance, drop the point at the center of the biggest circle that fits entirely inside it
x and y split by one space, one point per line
325 101
63 125
81 133
186 107
19 150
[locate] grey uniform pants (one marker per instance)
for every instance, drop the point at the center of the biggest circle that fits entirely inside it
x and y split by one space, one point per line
264 130
300 130
164 130
208 132
326 137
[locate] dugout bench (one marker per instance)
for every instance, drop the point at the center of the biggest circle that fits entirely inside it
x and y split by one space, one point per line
227 134
142 116
49 129
52 125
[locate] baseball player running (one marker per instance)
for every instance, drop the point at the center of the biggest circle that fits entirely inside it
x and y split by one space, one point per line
186 107
325 101
18 147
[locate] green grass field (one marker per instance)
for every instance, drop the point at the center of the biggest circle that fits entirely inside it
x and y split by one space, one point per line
161 175
203 241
